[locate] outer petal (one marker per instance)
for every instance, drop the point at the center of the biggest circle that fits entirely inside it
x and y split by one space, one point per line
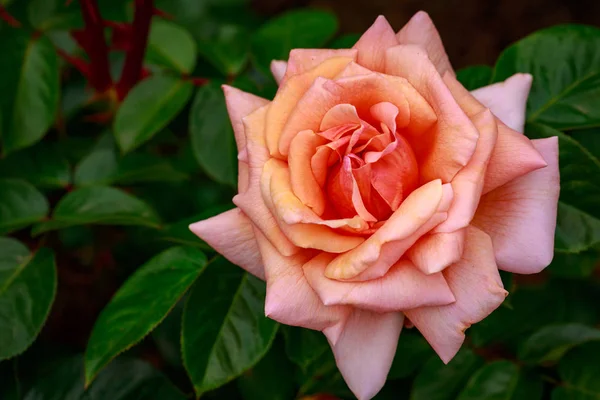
468 183
303 60
402 288
424 207
373 43
521 215
240 104
250 201
436 251
421 31
478 289
288 95
290 299
231 234
507 99
278 69
365 350
513 156
451 143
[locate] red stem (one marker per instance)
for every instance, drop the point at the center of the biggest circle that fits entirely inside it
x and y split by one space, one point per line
9 19
132 70
95 46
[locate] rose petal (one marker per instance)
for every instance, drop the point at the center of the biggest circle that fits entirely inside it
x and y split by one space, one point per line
520 216
240 104
251 201
373 43
300 224
513 155
304 183
468 183
303 60
353 69
451 143
396 175
340 114
278 69
436 251
421 31
290 300
507 99
403 287
478 289
231 234
288 95
361 91
365 350
396 235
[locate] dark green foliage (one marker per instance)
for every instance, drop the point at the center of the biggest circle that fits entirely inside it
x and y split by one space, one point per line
106 294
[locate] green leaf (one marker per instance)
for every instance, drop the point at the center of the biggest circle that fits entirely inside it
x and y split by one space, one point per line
304 346
412 352
574 266
551 342
148 108
167 336
27 290
179 232
271 379
535 306
224 330
41 165
579 369
171 46
99 205
21 204
578 225
103 167
212 136
500 380
303 28
228 49
322 375
29 83
141 304
475 77
565 64
437 381
54 14
318 372
123 379
588 138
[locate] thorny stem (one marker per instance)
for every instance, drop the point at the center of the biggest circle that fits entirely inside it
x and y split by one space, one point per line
132 70
95 46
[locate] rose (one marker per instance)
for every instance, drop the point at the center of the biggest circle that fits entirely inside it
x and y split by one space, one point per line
376 191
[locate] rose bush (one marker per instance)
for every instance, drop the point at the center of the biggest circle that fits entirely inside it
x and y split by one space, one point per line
375 192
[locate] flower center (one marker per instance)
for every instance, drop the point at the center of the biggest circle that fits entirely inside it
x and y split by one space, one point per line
371 168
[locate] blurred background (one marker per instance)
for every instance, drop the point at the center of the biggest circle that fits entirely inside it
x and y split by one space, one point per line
474 32
114 137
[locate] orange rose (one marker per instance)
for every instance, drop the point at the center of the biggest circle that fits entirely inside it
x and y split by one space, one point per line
376 190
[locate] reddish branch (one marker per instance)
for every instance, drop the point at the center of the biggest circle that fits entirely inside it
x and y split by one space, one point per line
132 70
91 38
9 19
